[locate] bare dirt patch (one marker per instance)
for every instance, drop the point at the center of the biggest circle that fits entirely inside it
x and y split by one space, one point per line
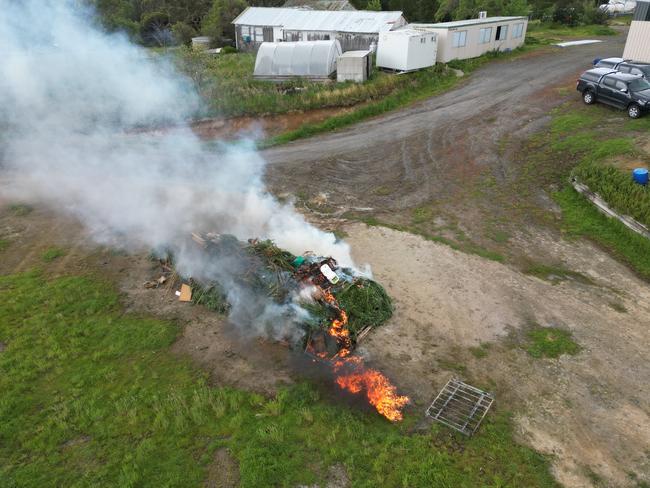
223 471
588 410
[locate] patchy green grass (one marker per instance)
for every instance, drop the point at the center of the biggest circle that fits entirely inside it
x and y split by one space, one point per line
585 141
4 244
550 342
555 274
93 397
52 253
580 218
227 83
617 306
544 33
481 351
20 209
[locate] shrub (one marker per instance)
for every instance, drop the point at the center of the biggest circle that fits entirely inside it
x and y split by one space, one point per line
591 14
183 33
155 30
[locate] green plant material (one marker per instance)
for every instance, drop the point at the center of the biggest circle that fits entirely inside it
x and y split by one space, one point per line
580 218
20 209
52 253
273 256
366 303
92 396
4 244
550 342
481 351
452 366
618 306
500 236
555 274
617 189
211 296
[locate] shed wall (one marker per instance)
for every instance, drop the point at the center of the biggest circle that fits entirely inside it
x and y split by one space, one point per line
472 48
637 46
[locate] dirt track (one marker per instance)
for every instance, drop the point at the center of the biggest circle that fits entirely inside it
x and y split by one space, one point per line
428 151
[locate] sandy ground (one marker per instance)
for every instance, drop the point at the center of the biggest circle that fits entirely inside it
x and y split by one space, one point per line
591 411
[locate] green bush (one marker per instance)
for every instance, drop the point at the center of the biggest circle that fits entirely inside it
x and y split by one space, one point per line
183 33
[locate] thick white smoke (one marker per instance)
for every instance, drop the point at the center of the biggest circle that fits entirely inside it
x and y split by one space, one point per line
71 99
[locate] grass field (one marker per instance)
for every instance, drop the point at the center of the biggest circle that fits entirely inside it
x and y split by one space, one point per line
597 143
92 397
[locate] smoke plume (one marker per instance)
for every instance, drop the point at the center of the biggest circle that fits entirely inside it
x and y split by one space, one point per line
72 99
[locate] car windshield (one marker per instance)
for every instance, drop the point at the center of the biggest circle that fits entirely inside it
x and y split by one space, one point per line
640 84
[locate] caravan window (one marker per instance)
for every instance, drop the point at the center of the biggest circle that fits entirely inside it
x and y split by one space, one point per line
517 30
459 39
502 33
485 35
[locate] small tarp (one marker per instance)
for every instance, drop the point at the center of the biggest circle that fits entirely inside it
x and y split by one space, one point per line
315 60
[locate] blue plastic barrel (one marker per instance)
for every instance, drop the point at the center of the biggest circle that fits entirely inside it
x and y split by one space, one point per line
640 175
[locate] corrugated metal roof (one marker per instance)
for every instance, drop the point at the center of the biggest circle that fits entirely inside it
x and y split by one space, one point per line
463 23
360 21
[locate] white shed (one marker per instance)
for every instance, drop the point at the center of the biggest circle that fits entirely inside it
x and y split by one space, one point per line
278 61
354 66
407 49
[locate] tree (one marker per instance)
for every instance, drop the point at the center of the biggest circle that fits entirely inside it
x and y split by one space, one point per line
155 29
183 33
218 22
374 5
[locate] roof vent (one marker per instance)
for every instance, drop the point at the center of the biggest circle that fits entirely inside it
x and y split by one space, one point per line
482 14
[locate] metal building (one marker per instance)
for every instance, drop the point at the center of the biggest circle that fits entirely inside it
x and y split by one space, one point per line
406 49
355 30
314 60
464 39
637 46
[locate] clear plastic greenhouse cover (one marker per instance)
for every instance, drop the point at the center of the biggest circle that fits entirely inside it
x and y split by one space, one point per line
303 58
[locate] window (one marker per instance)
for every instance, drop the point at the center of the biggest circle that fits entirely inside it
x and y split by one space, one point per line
423 40
485 35
609 82
259 34
517 30
459 39
502 33
326 37
621 86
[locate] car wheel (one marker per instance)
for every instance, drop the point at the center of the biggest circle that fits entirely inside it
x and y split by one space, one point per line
588 97
634 111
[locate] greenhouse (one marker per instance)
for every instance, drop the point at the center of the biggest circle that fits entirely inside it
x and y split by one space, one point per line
278 61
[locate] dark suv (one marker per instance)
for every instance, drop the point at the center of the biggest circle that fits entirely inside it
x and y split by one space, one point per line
620 90
625 66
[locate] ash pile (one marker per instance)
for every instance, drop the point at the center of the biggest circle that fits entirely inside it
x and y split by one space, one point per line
309 294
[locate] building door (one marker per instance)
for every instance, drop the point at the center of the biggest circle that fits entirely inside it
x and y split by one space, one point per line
267 34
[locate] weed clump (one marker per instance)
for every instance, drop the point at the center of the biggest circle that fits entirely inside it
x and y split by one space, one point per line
550 342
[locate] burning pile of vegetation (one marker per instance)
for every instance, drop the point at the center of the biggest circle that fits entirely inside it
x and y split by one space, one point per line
337 307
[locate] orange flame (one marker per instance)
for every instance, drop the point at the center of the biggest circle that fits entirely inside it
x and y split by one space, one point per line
357 378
